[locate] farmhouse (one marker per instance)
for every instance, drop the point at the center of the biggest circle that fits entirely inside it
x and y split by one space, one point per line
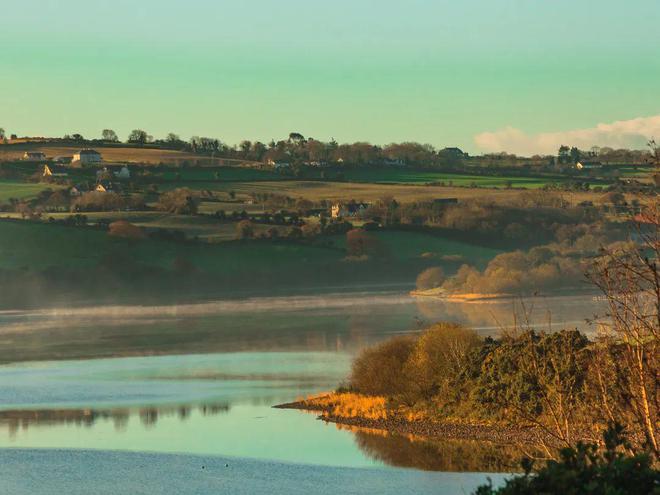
34 156
340 210
587 165
87 157
54 172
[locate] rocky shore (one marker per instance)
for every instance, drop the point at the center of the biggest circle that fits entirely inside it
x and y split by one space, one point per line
495 433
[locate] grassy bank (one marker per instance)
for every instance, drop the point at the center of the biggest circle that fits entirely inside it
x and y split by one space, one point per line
50 262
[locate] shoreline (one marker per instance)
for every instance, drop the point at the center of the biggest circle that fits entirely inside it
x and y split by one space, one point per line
485 297
439 430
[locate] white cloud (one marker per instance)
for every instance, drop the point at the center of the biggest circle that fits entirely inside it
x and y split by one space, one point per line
632 134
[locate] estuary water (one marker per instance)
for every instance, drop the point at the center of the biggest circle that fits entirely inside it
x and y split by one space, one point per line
192 387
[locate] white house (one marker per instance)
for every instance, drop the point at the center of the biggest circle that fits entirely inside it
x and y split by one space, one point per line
87 157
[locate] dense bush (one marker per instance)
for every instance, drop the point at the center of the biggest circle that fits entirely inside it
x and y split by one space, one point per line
530 378
378 370
359 242
438 362
180 201
526 372
99 201
586 470
416 369
122 228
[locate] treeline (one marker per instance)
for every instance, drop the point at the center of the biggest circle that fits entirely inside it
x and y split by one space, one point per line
559 265
563 383
529 219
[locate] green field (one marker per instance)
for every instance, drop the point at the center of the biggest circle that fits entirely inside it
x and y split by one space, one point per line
41 245
38 246
20 190
410 245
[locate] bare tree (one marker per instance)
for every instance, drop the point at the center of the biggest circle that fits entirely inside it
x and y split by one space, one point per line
629 359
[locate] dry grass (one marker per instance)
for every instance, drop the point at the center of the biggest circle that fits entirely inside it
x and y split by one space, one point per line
351 405
344 191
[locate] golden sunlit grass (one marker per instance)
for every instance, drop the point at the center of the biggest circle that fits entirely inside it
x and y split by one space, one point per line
351 405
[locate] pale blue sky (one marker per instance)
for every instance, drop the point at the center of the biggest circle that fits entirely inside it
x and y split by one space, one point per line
435 71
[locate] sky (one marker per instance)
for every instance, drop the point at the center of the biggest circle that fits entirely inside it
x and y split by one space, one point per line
486 75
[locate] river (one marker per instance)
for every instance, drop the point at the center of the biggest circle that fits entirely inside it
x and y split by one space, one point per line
192 387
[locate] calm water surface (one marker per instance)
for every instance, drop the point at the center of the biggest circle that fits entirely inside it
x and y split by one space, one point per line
199 381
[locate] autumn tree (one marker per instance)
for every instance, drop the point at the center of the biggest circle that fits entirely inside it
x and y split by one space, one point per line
629 278
181 201
244 229
359 242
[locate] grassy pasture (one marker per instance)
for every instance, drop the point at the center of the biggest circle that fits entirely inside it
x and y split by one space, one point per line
345 191
40 245
205 228
21 190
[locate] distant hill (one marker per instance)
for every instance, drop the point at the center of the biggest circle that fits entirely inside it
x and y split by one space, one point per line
116 153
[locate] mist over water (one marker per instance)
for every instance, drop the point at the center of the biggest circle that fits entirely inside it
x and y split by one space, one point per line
201 378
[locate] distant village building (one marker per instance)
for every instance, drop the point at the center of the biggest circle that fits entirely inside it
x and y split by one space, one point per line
87 157
588 165
106 187
341 210
54 172
395 162
277 164
34 156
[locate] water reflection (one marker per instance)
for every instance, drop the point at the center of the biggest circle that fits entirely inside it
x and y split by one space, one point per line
316 323
438 455
407 451
15 420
